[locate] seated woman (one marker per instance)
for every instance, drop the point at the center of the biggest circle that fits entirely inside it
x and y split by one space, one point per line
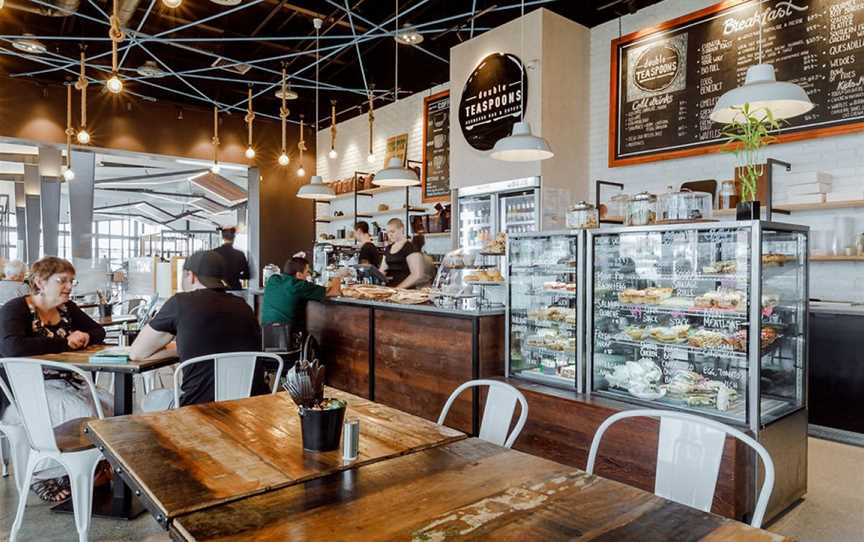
47 322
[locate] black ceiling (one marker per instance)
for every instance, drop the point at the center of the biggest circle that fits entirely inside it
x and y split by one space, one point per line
263 20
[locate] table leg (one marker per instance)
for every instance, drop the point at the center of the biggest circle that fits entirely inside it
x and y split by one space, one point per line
117 501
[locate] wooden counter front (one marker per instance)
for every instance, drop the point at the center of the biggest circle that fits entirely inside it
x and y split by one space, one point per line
407 359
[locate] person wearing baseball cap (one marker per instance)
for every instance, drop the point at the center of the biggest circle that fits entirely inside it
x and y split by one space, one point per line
205 320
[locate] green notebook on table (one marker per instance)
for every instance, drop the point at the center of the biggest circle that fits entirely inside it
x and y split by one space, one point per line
111 356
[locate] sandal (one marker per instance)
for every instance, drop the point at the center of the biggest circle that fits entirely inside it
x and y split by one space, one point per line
54 490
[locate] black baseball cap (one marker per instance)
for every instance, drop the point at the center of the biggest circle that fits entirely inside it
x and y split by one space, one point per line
209 267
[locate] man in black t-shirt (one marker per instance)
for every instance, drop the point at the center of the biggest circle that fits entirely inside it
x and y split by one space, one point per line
236 266
369 253
205 320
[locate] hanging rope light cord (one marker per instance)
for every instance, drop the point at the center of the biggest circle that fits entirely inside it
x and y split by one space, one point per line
68 174
371 157
83 136
249 118
301 145
215 168
284 160
333 154
114 84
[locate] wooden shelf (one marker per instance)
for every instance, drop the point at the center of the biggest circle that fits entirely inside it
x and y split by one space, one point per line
369 192
430 235
801 207
837 258
352 216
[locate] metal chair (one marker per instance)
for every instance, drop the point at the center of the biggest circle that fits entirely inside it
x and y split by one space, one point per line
498 414
688 458
66 444
233 373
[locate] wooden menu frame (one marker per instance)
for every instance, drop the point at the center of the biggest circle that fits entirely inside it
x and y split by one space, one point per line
704 149
423 196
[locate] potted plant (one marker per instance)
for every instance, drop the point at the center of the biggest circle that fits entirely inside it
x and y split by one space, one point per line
320 418
748 134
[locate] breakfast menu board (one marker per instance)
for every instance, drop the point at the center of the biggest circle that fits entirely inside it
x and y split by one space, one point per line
666 80
436 147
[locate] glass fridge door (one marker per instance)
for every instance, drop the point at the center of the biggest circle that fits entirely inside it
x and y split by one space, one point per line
518 212
475 221
671 317
542 308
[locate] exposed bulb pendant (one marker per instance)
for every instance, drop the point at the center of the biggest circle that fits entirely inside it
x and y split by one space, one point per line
172 4
83 136
370 158
215 168
763 93
522 145
301 146
284 160
250 117
333 154
115 84
68 174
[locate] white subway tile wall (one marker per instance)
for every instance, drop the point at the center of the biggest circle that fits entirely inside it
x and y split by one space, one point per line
842 156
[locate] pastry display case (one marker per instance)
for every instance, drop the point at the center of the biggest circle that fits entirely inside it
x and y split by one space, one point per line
545 307
709 318
468 279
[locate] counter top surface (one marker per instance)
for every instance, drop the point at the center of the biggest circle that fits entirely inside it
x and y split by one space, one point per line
837 308
432 309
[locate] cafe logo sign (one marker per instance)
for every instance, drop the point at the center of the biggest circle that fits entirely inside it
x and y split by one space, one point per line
493 100
656 68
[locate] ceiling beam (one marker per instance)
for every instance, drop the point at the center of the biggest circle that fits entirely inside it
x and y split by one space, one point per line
151 176
312 14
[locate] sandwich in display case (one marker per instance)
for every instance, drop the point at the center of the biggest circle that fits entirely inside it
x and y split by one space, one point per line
707 318
545 307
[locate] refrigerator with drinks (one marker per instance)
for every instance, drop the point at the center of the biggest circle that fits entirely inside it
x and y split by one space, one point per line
504 207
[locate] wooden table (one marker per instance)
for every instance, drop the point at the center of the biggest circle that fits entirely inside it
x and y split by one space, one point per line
468 489
119 503
201 456
116 320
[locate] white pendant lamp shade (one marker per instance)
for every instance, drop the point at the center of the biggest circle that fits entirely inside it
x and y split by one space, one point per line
316 189
396 175
762 92
521 146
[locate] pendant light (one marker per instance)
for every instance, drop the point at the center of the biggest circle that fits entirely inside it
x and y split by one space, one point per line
215 167
395 174
333 154
763 93
316 189
114 83
301 146
370 158
521 145
172 4
284 160
83 135
250 116
68 174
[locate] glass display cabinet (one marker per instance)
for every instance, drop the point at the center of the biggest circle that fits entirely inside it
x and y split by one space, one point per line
709 318
545 307
468 279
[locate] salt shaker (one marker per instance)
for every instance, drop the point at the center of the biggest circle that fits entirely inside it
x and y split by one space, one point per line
350 440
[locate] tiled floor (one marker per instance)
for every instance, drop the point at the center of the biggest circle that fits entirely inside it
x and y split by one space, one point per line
832 512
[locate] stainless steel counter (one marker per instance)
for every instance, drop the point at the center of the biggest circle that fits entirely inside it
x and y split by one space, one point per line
426 308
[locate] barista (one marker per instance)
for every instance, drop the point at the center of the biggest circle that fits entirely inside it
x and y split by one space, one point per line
368 251
403 263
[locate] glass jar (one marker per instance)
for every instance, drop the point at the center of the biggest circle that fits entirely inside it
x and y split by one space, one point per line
641 210
617 207
728 195
582 215
684 206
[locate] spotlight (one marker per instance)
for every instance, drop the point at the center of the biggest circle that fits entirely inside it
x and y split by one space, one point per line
114 84
83 137
408 35
284 160
333 154
250 153
173 4
68 174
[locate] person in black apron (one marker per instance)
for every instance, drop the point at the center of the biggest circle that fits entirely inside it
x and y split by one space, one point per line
403 263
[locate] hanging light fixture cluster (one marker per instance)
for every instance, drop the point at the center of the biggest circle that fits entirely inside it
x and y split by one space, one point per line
249 118
68 174
114 83
83 135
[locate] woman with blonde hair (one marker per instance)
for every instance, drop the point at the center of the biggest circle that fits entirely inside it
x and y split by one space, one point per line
47 322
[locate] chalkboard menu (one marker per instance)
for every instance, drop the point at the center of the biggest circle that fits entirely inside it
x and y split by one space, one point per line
666 80
436 147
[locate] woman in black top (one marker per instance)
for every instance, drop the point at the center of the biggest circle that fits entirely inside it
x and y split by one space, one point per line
403 263
47 322
368 251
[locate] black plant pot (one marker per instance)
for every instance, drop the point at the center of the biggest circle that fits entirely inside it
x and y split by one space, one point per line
106 310
747 210
322 429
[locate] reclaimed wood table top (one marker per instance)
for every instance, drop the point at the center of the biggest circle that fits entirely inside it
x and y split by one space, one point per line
468 489
200 456
81 359
116 320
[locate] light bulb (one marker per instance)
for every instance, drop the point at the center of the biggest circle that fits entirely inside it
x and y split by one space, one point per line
371 158
83 137
215 168
283 159
333 154
172 3
115 85
1 4
250 153
301 172
68 174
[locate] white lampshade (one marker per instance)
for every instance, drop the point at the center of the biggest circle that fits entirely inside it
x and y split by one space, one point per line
521 146
396 175
316 189
762 91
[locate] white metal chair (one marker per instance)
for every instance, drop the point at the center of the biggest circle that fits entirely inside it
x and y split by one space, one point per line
688 458
66 445
233 374
498 414
17 448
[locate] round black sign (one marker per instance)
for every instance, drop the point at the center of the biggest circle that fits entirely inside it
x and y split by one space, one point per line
656 68
493 100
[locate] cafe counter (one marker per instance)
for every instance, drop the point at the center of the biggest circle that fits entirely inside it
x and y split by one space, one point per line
410 357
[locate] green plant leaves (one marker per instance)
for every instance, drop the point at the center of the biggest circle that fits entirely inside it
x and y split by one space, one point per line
747 134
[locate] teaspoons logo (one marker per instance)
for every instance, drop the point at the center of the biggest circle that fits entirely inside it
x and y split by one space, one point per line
656 68
493 100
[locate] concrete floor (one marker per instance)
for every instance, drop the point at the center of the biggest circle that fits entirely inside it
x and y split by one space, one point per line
832 512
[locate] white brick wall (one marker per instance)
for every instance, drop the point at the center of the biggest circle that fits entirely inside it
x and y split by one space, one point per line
842 156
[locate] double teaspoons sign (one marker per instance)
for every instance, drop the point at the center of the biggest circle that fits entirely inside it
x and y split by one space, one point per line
493 100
